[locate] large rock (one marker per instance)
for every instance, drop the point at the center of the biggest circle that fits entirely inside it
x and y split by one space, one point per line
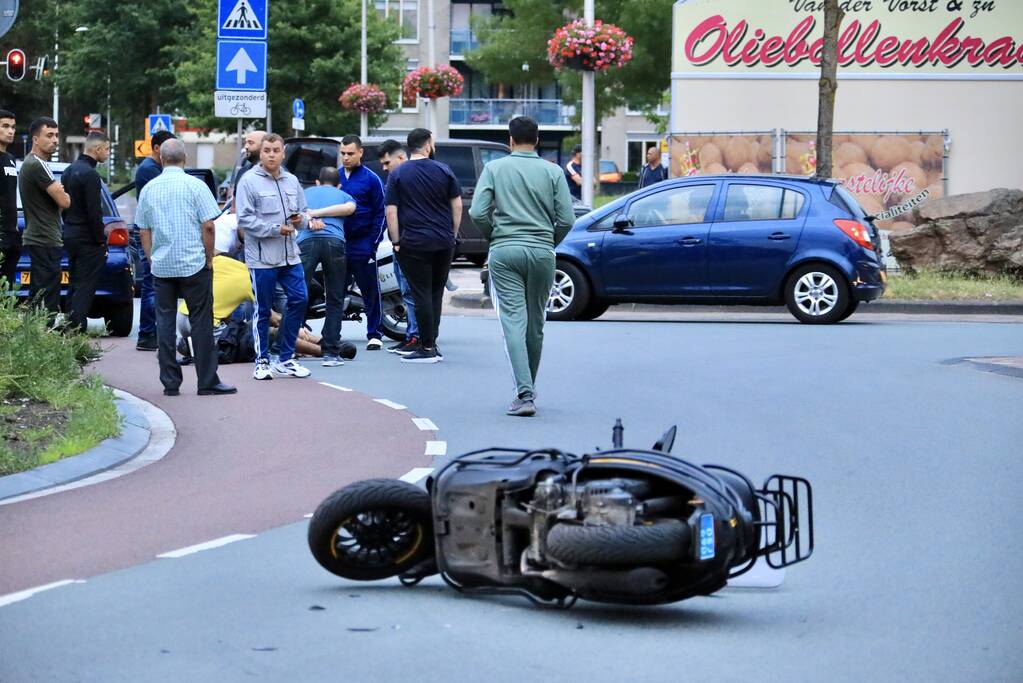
979 233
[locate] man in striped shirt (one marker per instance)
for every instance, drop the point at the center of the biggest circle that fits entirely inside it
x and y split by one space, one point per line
175 219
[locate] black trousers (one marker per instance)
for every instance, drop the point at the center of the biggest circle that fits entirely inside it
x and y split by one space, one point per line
9 266
427 273
44 288
86 261
329 253
197 291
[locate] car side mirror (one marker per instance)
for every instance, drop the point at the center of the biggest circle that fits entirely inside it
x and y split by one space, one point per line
621 224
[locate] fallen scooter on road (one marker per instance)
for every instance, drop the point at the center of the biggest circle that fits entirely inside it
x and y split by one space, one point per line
624 526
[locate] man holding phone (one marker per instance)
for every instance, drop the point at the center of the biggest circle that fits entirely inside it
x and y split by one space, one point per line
271 209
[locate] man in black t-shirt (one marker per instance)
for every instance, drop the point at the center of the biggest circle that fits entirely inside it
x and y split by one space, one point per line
423 209
574 172
10 238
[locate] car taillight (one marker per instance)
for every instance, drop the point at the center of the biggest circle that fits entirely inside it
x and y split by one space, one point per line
856 231
117 235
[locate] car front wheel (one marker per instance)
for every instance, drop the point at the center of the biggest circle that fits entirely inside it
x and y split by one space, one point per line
570 294
817 294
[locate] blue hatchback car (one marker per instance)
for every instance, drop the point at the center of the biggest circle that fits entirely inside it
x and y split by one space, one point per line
735 239
115 291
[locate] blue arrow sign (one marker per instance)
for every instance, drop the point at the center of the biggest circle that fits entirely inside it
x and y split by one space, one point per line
158 122
298 108
245 19
241 65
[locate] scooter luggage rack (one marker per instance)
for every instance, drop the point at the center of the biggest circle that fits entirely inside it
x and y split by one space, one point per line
793 521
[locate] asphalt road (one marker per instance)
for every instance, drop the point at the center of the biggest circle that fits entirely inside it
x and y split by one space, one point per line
915 466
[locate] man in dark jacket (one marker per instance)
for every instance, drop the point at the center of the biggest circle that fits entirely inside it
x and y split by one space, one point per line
363 231
10 238
652 172
84 229
150 168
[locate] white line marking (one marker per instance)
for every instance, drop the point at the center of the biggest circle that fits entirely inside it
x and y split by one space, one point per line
436 448
389 403
334 386
416 475
307 516
161 439
208 545
425 424
11 598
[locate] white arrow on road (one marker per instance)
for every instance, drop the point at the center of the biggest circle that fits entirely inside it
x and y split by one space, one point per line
241 63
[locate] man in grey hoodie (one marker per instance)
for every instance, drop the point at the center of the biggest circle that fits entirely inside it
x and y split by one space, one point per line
271 209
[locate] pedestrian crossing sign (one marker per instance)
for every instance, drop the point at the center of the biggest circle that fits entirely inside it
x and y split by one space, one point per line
157 122
244 19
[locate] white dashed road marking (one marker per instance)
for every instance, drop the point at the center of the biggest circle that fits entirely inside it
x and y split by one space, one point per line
436 448
11 598
425 424
416 475
208 545
389 403
334 386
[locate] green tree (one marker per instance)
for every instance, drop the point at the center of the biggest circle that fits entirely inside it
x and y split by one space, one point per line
122 42
313 54
508 41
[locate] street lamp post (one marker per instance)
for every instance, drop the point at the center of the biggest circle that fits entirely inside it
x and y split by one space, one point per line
363 117
589 119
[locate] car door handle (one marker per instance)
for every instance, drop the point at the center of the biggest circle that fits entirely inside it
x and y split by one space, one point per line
778 236
690 241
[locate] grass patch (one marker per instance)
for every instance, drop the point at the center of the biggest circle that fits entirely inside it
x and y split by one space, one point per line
48 408
935 286
602 200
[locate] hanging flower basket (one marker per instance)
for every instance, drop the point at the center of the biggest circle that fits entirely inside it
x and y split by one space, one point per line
597 48
432 83
365 99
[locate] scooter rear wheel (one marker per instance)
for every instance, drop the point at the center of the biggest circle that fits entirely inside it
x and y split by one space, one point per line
372 529
619 545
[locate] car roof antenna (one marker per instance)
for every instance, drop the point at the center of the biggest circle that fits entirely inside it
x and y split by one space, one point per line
667 440
617 434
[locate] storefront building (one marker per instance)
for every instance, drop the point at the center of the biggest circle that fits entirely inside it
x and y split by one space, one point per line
929 98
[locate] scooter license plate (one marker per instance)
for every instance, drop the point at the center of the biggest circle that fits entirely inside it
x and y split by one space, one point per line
706 537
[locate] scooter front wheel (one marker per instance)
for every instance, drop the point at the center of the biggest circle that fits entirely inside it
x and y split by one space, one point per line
372 529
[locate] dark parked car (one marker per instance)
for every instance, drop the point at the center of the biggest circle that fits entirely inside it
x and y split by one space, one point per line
114 294
723 240
306 156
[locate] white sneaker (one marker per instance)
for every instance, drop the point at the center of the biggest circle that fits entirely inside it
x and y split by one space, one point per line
262 370
374 345
332 362
290 368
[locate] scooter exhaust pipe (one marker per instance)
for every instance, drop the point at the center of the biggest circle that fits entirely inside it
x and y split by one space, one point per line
640 581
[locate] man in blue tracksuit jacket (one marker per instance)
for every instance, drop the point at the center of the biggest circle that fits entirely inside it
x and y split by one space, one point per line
363 231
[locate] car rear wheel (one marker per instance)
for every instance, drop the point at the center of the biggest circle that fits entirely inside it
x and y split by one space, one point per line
593 311
120 318
570 294
849 309
816 294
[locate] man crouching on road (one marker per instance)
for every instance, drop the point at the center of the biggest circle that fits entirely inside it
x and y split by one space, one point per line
271 209
523 207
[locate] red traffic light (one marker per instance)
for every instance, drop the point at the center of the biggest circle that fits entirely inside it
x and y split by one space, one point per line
16 64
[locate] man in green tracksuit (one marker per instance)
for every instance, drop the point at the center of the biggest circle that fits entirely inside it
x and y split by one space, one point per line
523 207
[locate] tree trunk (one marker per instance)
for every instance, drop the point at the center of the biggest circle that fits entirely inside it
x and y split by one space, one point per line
827 87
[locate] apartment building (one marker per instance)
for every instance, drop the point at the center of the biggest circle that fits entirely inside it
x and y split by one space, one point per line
483 109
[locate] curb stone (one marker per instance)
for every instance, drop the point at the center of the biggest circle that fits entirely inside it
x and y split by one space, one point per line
479 300
133 439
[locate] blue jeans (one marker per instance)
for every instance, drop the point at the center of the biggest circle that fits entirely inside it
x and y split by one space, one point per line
410 303
147 294
292 281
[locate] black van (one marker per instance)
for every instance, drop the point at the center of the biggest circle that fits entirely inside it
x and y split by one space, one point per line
306 156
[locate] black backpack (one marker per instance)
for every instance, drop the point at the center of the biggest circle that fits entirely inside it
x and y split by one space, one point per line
236 345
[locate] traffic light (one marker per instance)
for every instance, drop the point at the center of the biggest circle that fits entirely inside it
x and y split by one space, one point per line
16 64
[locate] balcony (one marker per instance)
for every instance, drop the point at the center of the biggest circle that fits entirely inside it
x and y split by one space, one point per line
463 40
465 112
